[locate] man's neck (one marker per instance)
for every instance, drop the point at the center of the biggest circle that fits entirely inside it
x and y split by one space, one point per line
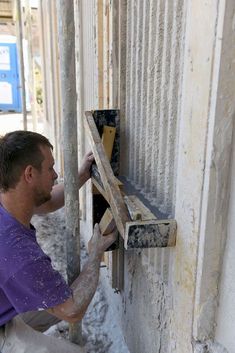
17 206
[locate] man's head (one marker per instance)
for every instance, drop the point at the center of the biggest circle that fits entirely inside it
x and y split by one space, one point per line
22 153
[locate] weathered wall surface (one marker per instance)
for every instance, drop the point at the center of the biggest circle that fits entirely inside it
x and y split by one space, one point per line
202 189
151 66
216 187
153 62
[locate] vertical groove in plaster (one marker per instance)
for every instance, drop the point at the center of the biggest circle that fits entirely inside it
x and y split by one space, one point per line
128 89
170 174
137 87
89 58
163 117
106 54
142 114
134 63
153 78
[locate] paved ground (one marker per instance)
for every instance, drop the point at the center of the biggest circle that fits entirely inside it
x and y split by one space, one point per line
14 121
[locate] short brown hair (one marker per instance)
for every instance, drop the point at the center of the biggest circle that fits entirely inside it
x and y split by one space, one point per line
17 150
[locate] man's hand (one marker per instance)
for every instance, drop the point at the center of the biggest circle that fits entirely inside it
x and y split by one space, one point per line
99 243
85 169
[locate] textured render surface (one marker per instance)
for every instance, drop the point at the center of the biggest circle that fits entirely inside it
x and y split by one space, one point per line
89 55
153 42
147 303
152 72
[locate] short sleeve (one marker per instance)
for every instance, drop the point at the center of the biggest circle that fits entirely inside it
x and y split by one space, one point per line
36 285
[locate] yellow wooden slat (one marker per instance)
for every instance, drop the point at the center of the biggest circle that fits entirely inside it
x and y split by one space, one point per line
108 137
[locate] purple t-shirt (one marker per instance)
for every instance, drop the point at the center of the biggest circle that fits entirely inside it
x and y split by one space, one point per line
27 280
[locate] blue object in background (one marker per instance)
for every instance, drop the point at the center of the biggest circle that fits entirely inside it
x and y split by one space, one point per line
10 97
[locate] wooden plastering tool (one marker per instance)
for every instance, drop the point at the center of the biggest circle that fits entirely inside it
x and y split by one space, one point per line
133 220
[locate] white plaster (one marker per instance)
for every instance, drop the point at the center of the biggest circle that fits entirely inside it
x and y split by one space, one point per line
215 191
198 62
226 311
209 347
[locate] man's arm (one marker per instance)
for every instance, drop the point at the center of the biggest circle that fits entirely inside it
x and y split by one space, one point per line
84 287
57 194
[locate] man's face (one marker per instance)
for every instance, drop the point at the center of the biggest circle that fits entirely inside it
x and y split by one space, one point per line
45 178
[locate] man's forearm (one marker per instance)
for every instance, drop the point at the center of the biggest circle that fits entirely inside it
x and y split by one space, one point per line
85 285
82 178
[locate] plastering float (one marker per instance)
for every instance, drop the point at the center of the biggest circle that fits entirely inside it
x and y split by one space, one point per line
137 225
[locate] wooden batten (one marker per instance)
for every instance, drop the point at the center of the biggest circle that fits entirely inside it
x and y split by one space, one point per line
134 212
107 223
137 207
108 137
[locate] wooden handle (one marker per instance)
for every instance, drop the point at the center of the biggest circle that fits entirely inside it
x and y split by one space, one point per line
107 223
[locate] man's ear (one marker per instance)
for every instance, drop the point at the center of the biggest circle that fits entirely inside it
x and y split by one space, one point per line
29 173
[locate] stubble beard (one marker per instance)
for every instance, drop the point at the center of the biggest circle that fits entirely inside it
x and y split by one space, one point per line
40 198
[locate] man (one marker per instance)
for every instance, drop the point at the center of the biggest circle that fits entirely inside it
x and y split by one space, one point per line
33 296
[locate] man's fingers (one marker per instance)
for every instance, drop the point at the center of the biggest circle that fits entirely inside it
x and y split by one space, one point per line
89 153
101 242
114 234
97 228
89 156
111 238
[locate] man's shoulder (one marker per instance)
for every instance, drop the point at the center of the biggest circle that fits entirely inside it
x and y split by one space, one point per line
18 250
15 239
8 225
